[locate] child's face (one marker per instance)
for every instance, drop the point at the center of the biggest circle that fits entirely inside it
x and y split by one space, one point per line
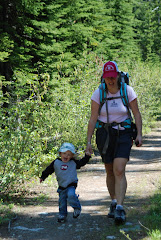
66 156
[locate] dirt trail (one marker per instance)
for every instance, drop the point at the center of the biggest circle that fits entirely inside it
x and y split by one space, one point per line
39 222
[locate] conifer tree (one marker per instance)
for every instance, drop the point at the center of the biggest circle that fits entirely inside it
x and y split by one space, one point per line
156 9
148 29
123 43
75 27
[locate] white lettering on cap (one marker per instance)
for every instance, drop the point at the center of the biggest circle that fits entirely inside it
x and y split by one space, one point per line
109 68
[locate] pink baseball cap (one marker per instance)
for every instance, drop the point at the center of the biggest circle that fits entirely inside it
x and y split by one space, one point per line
110 69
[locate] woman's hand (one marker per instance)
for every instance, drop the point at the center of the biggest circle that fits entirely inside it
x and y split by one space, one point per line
138 141
89 150
138 121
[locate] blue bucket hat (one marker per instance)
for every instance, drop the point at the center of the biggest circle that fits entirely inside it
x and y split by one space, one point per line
67 147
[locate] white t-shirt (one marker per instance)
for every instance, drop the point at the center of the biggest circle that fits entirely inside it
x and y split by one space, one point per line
116 110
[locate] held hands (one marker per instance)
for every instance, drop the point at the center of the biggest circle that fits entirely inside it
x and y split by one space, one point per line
89 150
41 180
88 153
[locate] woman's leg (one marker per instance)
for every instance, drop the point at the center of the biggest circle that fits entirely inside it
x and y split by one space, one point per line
119 166
110 179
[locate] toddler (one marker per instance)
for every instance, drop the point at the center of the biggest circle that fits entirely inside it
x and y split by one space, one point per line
65 170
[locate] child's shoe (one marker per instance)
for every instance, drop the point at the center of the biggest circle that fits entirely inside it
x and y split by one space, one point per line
76 213
61 218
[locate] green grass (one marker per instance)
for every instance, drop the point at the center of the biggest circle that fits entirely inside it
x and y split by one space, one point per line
155 234
152 219
41 198
30 196
6 212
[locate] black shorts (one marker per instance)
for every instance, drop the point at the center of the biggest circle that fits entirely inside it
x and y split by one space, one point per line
119 143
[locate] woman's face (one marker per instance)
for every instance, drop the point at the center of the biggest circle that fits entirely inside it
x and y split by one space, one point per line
111 83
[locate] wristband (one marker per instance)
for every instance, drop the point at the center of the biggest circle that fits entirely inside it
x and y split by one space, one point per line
89 142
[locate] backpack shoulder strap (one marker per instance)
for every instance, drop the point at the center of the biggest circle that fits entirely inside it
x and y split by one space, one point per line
123 93
102 89
124 97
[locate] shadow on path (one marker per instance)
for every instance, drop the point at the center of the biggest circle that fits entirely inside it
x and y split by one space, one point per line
38 221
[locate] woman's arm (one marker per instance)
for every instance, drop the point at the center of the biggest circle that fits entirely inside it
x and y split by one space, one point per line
138 120
91 125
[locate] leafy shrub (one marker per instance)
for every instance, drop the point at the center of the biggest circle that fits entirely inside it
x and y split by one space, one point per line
146 79
44 112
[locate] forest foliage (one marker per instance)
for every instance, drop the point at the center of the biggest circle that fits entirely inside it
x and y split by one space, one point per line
51 57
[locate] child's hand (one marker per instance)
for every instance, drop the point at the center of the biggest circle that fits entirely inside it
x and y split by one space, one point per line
88 153
41 180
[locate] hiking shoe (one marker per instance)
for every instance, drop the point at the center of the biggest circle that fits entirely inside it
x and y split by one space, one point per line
112 210
120 216
61 218
76 213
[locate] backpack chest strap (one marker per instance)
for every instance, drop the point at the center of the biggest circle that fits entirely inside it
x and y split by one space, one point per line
111 98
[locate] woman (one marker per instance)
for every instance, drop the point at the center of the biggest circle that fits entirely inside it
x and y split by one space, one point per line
117 152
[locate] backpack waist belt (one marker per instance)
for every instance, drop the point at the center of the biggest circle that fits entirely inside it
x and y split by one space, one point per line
125 124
